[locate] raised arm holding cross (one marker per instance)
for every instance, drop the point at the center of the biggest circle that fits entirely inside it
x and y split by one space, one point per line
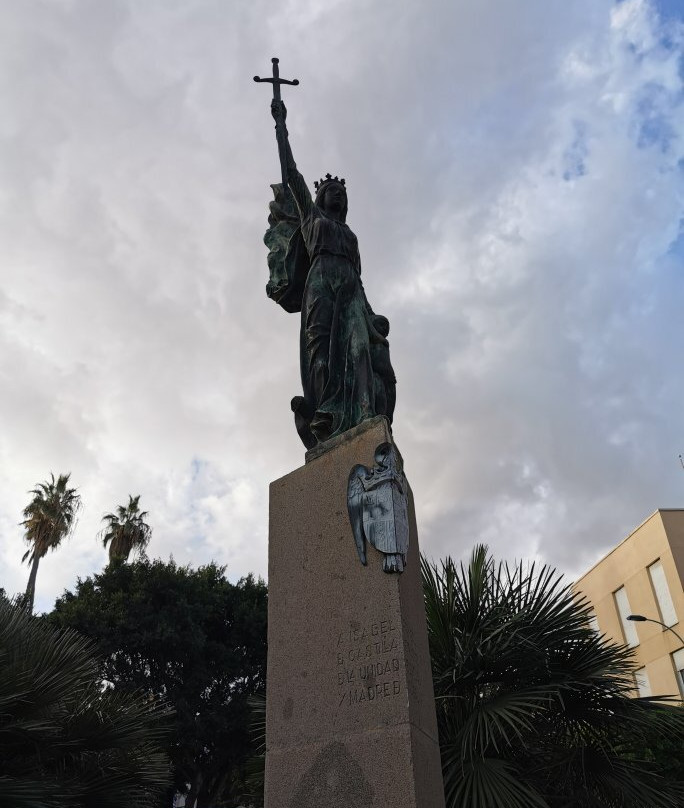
277 106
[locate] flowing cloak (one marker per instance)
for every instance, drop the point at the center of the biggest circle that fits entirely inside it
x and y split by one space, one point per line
315 268
288 261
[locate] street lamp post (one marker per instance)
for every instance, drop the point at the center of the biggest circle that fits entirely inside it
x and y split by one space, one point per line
639 618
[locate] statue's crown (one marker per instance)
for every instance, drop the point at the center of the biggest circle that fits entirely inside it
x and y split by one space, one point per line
318 184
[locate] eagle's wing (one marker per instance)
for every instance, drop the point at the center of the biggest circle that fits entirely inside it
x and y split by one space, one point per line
401 516
355 495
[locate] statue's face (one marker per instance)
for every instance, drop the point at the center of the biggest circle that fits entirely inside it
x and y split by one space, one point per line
383 454
335 198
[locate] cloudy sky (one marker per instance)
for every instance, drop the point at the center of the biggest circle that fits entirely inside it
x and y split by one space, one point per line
515 173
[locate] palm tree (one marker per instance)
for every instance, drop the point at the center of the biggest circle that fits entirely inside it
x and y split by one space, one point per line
65 740
254 770
126 530
48 519
534 709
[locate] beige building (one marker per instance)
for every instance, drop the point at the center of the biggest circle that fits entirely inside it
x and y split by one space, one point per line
643 576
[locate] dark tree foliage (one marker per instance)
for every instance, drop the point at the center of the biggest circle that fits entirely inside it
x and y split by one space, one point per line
65 742
191 637
534 709
665 749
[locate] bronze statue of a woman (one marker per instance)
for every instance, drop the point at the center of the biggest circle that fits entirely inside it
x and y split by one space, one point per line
315 268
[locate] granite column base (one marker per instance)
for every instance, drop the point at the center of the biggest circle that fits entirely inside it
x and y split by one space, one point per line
350 717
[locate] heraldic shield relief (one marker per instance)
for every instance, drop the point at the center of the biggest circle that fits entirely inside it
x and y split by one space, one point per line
377 500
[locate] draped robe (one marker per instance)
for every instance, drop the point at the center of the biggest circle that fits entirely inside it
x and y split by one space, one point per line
335 357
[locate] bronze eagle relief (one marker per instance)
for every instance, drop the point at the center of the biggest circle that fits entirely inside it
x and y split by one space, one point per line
377 501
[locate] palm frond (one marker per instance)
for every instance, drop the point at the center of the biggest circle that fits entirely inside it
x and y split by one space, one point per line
531 704
64 741
126 530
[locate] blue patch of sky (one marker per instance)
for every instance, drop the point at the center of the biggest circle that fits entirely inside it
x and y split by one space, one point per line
669 9
669 12
574 157
655 129
197 467
199 470
677 246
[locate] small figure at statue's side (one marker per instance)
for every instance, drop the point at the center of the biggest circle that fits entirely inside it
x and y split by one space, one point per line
315 268
385 380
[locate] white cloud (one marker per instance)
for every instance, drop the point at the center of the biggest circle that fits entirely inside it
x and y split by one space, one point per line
515 183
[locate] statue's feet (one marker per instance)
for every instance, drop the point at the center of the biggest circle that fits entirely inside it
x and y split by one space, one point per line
322 425
302 416
393 562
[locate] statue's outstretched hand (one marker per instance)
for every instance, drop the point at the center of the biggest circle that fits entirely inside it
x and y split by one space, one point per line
278 111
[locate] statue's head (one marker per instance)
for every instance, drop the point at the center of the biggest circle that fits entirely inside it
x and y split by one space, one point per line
331 197
386 455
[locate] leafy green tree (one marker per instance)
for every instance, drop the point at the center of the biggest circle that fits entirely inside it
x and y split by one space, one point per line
65 742
193 638
534 709
667 750
126 530
48 519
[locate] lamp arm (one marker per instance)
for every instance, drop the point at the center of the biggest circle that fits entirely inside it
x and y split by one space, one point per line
667 628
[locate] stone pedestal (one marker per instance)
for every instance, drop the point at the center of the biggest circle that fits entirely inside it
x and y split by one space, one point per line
350 719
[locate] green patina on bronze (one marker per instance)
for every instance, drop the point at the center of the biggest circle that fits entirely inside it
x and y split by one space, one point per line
315 269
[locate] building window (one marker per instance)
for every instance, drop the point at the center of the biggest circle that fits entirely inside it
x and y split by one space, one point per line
643 685
678 662
662 594
624 610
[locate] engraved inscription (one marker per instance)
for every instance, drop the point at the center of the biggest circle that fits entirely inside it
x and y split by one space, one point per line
368 665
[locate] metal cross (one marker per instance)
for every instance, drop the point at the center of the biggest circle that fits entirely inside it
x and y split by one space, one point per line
276 81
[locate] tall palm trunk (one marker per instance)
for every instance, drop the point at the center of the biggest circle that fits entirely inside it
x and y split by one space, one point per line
31 585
